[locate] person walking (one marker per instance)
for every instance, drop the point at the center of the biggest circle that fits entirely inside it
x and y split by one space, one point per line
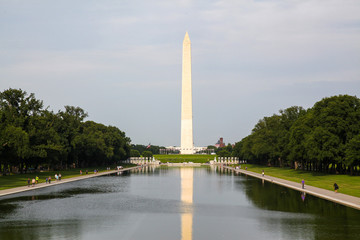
46 180
336 187
59 176
263 173
28 182
56 177
49 179
303 184
37 179
33 182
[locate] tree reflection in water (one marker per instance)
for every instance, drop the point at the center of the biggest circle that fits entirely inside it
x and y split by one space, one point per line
325 219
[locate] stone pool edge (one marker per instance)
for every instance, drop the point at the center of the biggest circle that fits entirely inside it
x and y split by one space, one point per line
340 198
66 180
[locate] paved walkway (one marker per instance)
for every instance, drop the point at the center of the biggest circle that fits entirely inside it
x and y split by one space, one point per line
340 198
66 180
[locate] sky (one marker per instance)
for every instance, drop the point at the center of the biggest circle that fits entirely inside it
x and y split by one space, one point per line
121 60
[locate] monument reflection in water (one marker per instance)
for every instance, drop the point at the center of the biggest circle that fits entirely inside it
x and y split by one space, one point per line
187 180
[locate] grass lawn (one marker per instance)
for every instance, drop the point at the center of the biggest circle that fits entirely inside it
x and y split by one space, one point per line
19 180
348 184
179 158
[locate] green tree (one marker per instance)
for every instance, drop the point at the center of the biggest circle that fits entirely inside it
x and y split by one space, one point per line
45 141
141 148
147 154
352 154
340 116
237 149
267 136
134 153
224 153
17 109
97 144
245 149
69 128
33 136
297 151
316 139
229 148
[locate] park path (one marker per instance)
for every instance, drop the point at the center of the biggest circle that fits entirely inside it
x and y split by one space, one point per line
340 198
66 180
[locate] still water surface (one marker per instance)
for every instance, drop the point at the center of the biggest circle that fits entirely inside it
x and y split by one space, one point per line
174 203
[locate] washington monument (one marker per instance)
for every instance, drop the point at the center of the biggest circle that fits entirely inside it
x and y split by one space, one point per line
187 143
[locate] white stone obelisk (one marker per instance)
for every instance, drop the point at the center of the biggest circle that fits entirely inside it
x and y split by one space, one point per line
187 143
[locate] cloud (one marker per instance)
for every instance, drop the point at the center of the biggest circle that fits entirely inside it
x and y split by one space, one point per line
76 63
249 59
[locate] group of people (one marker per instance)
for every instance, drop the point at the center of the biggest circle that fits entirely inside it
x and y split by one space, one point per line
33 181
47 180
82 172
58 177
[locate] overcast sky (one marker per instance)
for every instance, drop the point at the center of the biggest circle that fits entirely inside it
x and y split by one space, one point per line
121 60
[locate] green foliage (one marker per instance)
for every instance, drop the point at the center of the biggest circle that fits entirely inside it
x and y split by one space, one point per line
268 142
141 148
134 153
31 136
323 138
352 152
224 153
147 154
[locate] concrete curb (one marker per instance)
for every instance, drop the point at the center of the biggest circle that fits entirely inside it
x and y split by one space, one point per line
55 183
343 199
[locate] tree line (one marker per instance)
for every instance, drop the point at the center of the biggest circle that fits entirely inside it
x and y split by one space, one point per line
324 138
139 150
32 136
226 151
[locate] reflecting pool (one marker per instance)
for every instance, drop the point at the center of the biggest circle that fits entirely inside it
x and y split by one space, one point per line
174 203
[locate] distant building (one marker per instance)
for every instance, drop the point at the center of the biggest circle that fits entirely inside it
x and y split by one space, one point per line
220 143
